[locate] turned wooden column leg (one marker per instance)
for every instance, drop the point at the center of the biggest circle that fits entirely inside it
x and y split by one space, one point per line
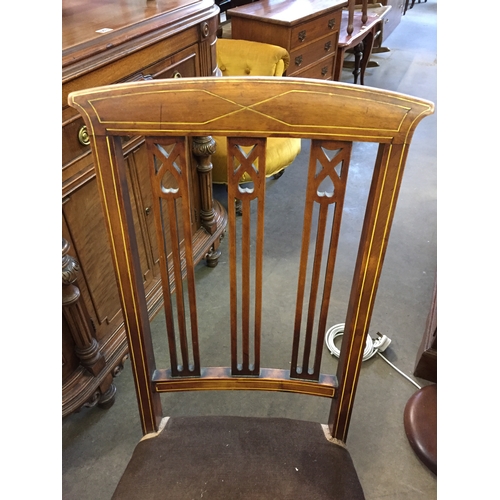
75 313
203 149
358 54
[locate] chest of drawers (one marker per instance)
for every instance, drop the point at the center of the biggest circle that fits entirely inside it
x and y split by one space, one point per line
308 29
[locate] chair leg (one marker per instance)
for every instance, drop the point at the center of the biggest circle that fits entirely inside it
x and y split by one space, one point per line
358 54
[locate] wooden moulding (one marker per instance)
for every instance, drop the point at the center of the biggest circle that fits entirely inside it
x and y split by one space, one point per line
216 378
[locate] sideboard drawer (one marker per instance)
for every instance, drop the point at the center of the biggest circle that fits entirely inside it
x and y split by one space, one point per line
316 28
322 71
309 54
182 64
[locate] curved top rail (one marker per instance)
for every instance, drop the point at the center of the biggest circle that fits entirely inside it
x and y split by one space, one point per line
252 106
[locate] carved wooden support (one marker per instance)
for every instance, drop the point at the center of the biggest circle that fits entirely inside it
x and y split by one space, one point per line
104 396
212 257
203 149
87 347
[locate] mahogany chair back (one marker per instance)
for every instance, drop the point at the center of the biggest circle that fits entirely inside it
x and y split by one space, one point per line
175 114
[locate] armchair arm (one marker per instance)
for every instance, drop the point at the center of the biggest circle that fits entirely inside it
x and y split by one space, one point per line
243 57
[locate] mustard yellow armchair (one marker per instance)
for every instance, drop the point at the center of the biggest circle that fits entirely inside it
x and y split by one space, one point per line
242 58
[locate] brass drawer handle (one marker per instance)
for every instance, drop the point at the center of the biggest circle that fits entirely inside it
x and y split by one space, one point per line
331 23
147 210
324 70
298 60
83 136
176 75
302 35
328 46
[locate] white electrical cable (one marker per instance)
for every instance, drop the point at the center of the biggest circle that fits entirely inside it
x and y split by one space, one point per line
372 347
337 331
399 371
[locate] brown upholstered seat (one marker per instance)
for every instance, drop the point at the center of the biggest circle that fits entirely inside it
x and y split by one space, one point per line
246 457
239 458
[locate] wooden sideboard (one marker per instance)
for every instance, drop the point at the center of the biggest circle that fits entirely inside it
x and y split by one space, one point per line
308 29
105 42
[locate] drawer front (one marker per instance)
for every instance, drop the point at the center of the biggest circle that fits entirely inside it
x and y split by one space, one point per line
182 64
131 66
313 52
310 31
322 71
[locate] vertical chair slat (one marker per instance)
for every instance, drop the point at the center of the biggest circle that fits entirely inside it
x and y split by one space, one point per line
190 276
173 165
259 187
259 261
240 162
324 201
313 290
179 294
245 283
341 158
295 370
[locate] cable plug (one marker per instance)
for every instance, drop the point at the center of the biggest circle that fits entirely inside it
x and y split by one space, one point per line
381 343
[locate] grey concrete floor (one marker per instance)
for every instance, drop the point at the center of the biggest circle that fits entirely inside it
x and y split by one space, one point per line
96 444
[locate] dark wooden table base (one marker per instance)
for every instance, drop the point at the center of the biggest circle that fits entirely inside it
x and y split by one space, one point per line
420 421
